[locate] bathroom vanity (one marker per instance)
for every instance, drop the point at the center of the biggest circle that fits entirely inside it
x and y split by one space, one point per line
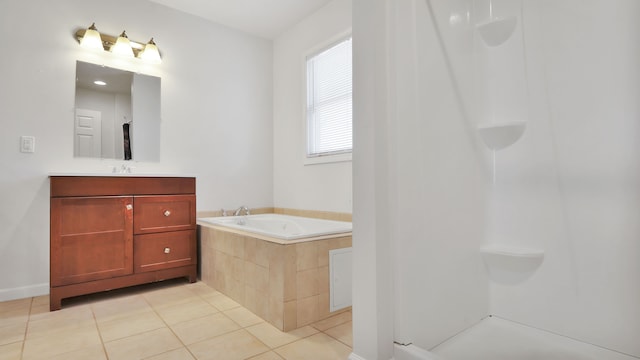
110 232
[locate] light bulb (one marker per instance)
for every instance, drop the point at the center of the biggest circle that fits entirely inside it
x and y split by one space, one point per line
150 53
91 39
122 46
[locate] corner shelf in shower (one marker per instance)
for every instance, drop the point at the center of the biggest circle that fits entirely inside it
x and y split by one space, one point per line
501 134
511 258
495 32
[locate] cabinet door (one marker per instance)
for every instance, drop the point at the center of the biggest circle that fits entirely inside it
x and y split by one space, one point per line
164 250
91 238
155 214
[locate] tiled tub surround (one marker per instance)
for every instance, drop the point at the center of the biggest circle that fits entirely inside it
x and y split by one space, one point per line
285 284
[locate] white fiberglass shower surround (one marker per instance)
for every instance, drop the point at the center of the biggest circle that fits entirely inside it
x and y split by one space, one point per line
504 139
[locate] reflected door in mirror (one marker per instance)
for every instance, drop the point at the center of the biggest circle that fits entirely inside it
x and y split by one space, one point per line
88 133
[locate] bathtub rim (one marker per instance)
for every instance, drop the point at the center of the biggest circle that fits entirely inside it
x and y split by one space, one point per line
270 238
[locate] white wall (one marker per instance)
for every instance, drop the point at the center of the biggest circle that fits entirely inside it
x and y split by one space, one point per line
216 114
324 187
372 246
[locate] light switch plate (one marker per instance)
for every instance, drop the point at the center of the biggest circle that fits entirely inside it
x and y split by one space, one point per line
27 144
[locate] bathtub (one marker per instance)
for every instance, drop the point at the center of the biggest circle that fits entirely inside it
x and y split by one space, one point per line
256 261
282 228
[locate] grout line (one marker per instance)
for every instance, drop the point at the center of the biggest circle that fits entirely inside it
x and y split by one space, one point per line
185 346
167 326
337 339
26 327
95 322
260 341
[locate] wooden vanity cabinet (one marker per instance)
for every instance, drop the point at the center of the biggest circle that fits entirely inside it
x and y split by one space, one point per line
113 232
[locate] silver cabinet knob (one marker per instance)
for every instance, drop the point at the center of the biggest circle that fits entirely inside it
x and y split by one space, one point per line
129 206
167 250
167 213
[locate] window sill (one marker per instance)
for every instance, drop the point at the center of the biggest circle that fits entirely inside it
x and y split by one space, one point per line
327 159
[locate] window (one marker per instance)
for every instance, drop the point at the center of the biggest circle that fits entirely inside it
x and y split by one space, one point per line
329 103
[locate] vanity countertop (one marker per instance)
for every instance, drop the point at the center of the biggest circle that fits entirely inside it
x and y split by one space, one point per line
51 174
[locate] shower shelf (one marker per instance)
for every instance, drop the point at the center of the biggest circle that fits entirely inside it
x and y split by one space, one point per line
515 259
495 32
501 134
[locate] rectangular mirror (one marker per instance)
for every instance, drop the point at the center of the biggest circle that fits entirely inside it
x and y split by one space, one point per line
117 114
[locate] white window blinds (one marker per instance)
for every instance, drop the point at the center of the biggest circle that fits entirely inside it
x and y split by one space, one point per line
329 104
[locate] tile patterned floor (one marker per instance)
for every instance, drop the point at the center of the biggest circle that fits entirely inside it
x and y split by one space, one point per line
170 320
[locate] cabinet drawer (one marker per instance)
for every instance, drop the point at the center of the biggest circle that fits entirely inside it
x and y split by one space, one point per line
164 250
154 214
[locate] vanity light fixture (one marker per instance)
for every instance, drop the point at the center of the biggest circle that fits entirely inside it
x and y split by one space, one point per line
91 39
150 53
122 46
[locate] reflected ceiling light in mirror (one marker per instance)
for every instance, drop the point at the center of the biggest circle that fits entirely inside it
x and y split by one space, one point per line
90 38
122 46
100 82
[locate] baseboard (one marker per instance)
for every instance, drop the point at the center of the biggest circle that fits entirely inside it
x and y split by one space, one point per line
24 292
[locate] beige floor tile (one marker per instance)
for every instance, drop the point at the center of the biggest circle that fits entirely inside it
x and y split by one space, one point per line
342 333
192 309
243 317
315 347
169 296
274 338
239 344
133 326
40 305
17 312
120 308
11 306
177 354
39 309
77 312
204 328
201 289
333 321
95 352
267 356
66 320
143 345
221 302
11 333
40 300
52 343
11 351
137 323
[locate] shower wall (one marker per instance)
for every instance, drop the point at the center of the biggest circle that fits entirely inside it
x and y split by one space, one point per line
438 173
570 185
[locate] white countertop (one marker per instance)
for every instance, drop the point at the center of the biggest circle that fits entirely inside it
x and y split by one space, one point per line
118 174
